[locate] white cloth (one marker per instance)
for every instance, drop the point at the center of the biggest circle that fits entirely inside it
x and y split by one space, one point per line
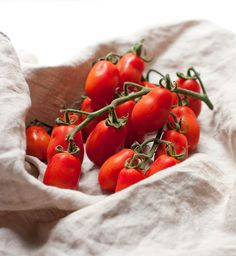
189 209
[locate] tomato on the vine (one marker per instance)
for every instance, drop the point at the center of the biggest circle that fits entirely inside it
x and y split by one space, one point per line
58 137
162 162
74 118
109 171
131 68
151 112
104 141
101 82
63 171
189 125
128 177
37 140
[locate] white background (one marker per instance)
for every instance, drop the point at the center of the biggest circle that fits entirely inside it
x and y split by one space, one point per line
55 31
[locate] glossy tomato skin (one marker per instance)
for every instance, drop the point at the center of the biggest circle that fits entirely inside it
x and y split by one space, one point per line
179 140
37 140
63 171
123 110
58 137
104 141
128 177
192 85
109 171
152 111
189 125
101 82
131 68
89 106
162 162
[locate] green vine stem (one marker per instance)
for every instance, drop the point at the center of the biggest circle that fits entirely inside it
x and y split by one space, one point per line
153 71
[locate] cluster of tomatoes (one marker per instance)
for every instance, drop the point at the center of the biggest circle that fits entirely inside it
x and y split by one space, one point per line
131 127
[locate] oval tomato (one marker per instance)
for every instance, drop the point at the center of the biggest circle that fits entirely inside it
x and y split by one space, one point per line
151 112
109 171
101 82
131 68
192 85
37 140
63 171
189 125
58 137
162 162
104 141
179 141
128 177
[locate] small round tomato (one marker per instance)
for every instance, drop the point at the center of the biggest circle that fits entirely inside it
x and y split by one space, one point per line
192 85
109 171
63 171
101 82
37 140
162 162
178 140
128 177
152 111
189 125
104 141
131 68
58 137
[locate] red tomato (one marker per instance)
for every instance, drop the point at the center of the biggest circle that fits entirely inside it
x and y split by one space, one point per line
89 106
131 68
148 85
179 141
128 177
192 85
58 137
37 140
151 112
123 110
104 141
189 125
63 171
162 162
109 171
101 82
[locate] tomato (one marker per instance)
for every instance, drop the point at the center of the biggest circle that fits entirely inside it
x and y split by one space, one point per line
189 125
37 140
162 162
151 112
192 85
109 171
63 171
101 82
123 110
148 85
89 106
179 141
104 141
131 68
128 177
58 137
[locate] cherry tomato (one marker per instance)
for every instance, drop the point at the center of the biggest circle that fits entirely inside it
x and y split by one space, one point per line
37 140
151 112
101 82
179 141
148 85
109 171
58 137
162 162
123 110
63 171
192 85
189 125
89 106
128 177
131 68
104 141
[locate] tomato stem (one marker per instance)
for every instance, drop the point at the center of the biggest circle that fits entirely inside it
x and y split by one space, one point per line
153 71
